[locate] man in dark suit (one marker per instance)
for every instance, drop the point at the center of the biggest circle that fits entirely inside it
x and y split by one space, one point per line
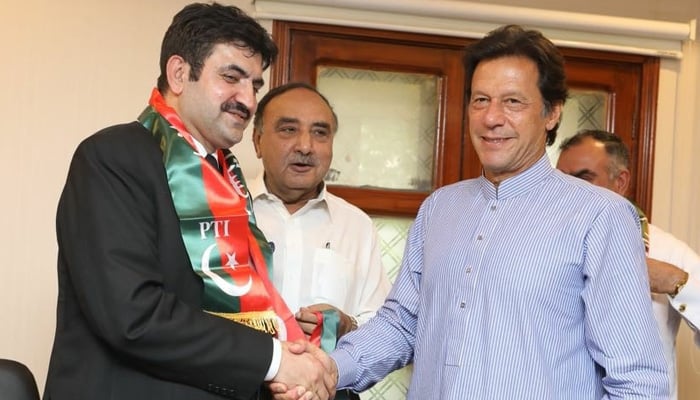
163 287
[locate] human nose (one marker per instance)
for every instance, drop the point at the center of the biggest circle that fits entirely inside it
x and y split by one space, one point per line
493 114
304 143
246 96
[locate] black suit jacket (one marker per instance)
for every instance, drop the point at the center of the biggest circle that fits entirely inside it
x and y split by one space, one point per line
129 321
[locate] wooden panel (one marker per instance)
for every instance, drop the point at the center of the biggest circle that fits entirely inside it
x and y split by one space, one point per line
631 81
304 47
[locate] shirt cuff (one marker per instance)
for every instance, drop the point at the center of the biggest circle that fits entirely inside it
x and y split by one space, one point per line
687 302
346 368
276 360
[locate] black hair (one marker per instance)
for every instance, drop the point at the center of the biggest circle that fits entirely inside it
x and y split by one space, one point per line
513 40
614 146
198 27
279 90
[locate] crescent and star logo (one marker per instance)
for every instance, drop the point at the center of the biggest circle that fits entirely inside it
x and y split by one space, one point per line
227 287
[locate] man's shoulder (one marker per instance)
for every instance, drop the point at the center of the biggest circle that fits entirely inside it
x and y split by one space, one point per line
116 135
351 212
128 130
459 188
666 247
128 144
131 135
581 191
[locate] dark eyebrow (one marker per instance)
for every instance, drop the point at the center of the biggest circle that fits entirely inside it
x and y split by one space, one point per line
234 67
286 120
290 120
322 124
581 173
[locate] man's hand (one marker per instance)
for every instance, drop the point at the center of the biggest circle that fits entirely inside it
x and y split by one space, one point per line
307 319
663 277
306 372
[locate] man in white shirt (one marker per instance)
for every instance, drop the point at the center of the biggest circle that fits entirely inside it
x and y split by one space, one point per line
602 159
326 252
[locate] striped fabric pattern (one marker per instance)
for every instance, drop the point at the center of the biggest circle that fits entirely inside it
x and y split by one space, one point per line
536 289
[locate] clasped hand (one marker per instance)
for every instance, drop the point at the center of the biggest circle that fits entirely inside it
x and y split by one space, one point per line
306 317
305 372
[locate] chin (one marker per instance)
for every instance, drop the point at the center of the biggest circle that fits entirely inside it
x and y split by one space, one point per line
233 140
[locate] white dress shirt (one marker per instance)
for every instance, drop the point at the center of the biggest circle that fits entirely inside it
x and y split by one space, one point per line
686 305
326 252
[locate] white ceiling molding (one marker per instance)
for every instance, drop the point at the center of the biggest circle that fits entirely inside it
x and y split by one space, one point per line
474 20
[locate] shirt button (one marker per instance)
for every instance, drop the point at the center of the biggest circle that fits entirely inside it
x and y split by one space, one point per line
493 208
462 305
479 237
681 308
469 269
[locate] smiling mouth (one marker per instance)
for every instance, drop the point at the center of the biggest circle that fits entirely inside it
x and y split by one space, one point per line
242 116
495 140
237 110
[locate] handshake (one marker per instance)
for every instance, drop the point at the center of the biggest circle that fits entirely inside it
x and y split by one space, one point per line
306 372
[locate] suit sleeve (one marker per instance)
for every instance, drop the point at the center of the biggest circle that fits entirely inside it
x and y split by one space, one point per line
133 281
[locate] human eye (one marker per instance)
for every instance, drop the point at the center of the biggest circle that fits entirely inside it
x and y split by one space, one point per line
321 133
514 103
231 78
586 176
287 129
479 102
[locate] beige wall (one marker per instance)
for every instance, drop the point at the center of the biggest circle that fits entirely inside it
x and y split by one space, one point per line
72 67
68 68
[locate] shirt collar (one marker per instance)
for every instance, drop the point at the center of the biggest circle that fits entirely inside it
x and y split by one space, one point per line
258 190
520 183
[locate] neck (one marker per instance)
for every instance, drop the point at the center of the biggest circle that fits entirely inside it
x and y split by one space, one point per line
294 200
173 101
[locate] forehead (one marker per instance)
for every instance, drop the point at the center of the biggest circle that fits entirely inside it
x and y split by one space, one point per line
225 55
506 73
589 154
299 103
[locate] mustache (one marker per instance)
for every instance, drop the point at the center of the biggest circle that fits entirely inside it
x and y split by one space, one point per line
304 159
236 106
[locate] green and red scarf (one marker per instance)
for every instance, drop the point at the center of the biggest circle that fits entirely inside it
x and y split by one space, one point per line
226 248
216 222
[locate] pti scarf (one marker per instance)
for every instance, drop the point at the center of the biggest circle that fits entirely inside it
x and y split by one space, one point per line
225 247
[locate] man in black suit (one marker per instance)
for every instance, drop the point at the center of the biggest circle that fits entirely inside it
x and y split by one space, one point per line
163 287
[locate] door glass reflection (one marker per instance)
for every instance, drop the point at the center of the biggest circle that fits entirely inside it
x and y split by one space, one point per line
387 127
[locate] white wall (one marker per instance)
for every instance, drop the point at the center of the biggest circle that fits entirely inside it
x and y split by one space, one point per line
72 67
676 183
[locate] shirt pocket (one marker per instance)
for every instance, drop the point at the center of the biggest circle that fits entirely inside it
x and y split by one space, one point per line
329 280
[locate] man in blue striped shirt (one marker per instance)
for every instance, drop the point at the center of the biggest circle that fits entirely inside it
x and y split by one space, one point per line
524 283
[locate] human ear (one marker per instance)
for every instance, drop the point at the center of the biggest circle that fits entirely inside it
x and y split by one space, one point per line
256 142
177 70
622 181
554 116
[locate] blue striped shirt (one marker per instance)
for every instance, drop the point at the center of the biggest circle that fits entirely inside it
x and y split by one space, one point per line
535 289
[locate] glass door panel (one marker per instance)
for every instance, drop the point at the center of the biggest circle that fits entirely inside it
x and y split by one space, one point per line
387 127
585 109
